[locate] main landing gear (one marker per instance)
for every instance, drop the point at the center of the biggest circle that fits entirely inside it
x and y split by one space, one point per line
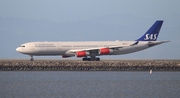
90 59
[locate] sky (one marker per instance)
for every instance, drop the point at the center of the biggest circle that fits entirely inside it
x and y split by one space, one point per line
80 19
77 10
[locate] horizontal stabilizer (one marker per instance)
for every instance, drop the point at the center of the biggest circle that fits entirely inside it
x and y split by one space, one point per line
150 44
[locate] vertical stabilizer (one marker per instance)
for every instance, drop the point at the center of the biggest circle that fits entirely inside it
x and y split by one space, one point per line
153 32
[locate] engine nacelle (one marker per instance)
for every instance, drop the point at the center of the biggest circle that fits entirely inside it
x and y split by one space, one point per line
82 54
104 51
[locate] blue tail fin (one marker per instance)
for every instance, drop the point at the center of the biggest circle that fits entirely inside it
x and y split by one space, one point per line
152 33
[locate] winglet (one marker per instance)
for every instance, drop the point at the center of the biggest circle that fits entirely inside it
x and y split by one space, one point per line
153 32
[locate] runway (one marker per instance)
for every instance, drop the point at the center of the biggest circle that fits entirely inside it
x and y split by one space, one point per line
104 65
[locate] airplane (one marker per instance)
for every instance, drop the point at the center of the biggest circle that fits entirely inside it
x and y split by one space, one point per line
88 50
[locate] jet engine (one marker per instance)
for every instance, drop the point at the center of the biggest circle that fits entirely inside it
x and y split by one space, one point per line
104 51
82 54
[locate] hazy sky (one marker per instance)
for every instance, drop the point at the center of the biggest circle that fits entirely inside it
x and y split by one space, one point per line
75 11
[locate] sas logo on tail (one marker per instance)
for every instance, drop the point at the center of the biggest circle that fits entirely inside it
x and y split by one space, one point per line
150 37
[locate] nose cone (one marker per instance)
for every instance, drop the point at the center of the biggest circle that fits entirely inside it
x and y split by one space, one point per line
18 49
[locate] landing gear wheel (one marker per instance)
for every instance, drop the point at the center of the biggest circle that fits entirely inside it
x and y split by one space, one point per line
91 59
97 59
84 59
31 59
88 59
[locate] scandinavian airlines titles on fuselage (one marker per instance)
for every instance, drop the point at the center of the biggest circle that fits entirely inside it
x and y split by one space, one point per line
44 45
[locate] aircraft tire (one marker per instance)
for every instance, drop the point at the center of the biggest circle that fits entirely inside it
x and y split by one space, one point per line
97 59
31 59
84 59
90 59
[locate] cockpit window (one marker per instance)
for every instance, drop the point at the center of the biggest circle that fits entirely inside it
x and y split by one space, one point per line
22 46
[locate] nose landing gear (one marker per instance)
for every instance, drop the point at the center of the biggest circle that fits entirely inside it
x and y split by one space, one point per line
31 59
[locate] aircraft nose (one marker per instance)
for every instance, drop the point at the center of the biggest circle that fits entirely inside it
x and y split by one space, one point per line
17 49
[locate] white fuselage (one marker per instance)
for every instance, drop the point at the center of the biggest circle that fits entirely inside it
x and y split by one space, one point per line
63 48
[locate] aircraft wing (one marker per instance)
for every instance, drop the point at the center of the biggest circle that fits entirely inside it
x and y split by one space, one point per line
96 48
